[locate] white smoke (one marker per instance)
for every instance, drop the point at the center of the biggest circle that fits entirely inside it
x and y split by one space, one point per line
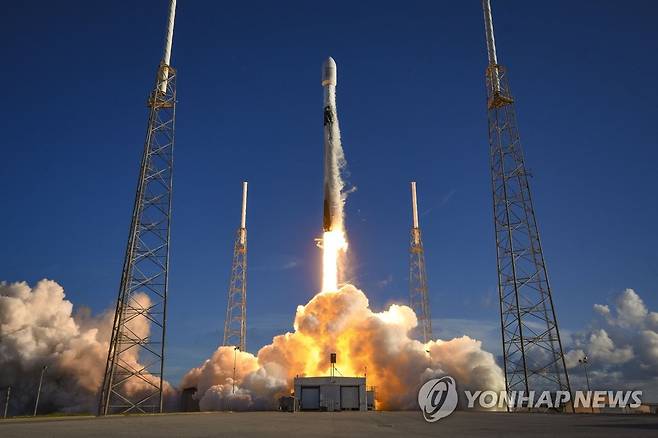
621 346
38 328
367 342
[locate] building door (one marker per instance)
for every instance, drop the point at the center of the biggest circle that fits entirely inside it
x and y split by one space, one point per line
310 398
349 397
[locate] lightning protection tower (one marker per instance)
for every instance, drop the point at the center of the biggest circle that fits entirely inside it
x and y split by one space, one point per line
133 380
235 325
532 349
418 299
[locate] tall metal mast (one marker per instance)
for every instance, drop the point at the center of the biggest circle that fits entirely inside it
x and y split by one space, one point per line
532 349
418 299
133 379
235 325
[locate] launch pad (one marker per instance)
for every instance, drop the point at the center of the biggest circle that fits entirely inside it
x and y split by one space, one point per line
332 393
343 424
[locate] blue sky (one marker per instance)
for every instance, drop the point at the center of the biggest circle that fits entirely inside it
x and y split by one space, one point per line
411 105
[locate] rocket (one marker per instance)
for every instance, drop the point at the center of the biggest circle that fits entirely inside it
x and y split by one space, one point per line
333 152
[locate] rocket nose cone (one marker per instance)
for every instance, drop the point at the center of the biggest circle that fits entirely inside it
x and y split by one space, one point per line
329 72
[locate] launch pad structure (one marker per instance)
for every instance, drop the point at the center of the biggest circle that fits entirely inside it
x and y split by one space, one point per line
133 377
533 357
418 295
332 393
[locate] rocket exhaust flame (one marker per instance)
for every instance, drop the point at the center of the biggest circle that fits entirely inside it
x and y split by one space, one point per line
333 244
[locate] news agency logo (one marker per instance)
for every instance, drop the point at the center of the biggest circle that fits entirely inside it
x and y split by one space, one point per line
553 400
438 398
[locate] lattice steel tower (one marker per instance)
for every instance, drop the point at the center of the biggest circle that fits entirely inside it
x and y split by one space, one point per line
532 349
418 299
235 325
133 374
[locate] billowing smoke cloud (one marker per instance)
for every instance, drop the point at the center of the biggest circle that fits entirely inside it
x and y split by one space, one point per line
367 342
621 346
38 328
255 388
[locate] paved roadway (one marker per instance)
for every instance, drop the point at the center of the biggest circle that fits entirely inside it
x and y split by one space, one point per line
335 424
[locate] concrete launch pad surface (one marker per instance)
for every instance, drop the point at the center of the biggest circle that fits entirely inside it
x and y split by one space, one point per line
342 424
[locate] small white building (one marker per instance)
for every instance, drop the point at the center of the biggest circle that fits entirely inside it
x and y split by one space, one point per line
331 393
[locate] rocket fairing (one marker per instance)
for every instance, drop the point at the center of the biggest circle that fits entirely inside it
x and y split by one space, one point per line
333 154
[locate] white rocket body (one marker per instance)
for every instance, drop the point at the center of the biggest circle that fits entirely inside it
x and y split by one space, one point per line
333 152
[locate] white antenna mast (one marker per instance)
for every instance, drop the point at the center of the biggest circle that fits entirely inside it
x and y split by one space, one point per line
414 204
243 223
169 38
491 45
488 29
